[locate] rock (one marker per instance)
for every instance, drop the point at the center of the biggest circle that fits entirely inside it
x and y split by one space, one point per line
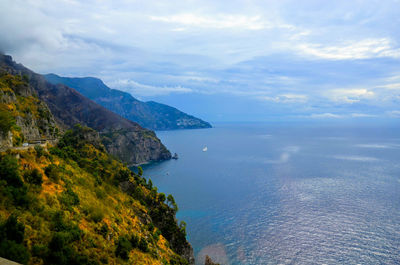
208 261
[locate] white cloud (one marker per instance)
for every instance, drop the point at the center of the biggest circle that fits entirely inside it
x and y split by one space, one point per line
325 115
393 113
362 115
138 89
349 95
363 49
286 98
221 21
393 86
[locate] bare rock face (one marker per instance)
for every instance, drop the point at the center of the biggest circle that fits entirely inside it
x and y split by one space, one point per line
135 147
208 261
30 118
188 254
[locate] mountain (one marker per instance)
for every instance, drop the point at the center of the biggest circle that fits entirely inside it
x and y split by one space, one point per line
123 138
151 115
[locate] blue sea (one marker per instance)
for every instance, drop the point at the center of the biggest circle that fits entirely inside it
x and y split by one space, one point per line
287 193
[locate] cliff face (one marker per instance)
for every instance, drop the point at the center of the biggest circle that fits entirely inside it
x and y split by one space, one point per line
23 116
123 138
151 115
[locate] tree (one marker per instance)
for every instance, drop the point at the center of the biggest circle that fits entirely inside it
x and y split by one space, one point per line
171 202
33 177
6 121
140 171
124 246
9 171
161 197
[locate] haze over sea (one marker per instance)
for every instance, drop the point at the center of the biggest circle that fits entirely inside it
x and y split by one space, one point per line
287 193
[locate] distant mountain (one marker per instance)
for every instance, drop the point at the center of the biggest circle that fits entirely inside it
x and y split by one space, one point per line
122 138
151 115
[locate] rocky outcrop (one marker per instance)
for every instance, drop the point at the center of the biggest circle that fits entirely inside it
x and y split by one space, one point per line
125 139
151 115
208 261
135 147
28 118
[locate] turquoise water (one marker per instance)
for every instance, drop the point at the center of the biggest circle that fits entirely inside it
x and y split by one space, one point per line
287 194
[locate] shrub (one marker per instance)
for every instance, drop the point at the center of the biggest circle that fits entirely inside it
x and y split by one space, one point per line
69 198
52 172
124 246
13 230
9 171
104 230
143 245
100 193
39 150
40 250
33 177
11 239
134 241
96 215
122 175
161 197
6 121
14 251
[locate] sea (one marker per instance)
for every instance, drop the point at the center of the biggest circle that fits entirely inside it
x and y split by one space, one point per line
286 193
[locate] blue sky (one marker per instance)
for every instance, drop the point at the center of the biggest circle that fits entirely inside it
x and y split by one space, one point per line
222 60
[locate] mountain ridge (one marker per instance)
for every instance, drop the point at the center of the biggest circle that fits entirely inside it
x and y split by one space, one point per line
150 114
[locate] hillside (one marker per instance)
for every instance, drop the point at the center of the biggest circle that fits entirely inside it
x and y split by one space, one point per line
125 139
75 204
70 202
151 115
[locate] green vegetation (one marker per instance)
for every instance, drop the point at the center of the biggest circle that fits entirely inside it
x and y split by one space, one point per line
33 177
11 241
28 110
71 210
7 121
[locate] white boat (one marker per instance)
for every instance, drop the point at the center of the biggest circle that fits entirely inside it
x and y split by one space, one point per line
205 149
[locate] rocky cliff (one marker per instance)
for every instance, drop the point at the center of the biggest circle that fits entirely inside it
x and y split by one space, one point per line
125 139
23 116
151 115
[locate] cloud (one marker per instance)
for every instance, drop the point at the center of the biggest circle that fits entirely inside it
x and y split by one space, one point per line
349 95
286 98
376 146
363 49
393 86
138 89
393 113
217 22
325 115
363 115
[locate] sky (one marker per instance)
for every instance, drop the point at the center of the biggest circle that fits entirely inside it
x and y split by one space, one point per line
221 60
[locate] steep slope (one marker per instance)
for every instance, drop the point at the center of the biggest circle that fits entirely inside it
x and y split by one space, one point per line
152 115
74 204
23 117
123 138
